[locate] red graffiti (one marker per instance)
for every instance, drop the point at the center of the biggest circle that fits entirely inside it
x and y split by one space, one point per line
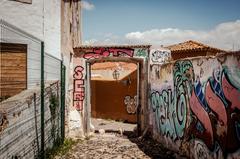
219 115
79 90
216 105
202 115
105 52
231 93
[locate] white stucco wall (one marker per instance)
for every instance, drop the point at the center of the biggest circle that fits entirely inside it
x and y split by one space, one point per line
41 19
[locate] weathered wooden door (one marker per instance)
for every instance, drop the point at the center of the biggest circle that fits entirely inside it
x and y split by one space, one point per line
13 69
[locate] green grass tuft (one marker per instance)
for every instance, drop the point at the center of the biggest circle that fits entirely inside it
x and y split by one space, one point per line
60 150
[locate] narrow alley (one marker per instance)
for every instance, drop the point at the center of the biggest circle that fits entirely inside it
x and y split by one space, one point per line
116 140
101 79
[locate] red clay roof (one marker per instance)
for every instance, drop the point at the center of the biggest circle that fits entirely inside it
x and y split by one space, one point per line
191 46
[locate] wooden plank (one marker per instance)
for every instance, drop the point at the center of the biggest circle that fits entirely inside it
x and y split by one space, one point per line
13 74
13 68
13 47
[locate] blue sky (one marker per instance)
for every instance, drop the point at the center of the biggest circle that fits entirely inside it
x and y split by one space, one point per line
134 21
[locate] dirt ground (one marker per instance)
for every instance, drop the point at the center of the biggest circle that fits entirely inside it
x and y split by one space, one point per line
114 144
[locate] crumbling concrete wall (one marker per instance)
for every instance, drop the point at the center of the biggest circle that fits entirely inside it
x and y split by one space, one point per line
20 127
195 105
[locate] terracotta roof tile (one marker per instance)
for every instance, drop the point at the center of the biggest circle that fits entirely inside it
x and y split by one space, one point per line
191 46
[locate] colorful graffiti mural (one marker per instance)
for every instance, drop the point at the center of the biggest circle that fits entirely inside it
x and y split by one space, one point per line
131 104
170 106
207 112
217 112
79 88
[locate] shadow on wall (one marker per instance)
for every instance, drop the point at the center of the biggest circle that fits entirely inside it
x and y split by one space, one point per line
197 109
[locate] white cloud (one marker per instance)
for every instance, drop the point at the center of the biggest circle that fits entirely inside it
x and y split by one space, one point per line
87 5
225 36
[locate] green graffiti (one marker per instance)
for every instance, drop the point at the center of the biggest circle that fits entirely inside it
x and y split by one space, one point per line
171 107
183 75
141 52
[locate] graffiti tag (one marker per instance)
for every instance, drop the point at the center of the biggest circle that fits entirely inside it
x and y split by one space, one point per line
131 104
170 107
79 89
105 52
160 56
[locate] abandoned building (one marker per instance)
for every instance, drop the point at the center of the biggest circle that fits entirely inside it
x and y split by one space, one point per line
174 98
37 38
185 96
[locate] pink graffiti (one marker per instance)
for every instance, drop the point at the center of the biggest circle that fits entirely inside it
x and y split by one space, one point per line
78 72
231 93
79 90
105 52
222 116
202 115
216 105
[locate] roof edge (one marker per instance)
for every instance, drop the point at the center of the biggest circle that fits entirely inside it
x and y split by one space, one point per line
111 46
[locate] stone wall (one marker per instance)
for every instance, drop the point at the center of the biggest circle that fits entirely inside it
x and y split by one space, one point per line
195 105
20 127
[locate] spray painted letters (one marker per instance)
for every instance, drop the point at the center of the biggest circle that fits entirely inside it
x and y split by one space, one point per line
170 107
204 115
105 52
79 89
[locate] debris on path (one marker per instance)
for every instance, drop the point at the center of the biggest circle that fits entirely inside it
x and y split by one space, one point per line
113 145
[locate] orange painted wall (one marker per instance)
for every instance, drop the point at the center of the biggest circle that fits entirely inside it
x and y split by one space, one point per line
107 98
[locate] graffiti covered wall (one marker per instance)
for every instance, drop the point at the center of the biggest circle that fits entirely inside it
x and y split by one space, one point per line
83 54
195 106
